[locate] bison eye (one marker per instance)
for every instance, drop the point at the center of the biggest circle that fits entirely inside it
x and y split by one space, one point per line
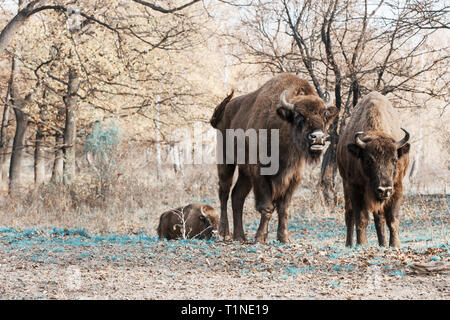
299 120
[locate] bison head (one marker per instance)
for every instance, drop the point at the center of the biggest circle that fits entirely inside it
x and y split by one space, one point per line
379 157
208 221
310 118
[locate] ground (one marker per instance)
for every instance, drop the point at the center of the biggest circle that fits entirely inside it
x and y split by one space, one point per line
58 263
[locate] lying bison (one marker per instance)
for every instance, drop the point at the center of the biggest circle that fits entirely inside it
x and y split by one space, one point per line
192 221
299 116
372 157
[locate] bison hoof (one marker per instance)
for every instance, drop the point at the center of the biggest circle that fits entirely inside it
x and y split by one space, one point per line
261 239
284 239
239 237
395 244
224 236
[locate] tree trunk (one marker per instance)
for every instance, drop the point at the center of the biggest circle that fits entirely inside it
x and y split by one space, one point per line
70 128
4 137
58 164
329 167
158 143
39 151
19 139
39 158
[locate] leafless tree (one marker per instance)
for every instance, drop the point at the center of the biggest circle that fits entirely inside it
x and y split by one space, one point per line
351 48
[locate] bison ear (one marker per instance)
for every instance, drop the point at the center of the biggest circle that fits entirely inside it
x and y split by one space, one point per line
331 113
354 150
292 116
403 150
202 218
286 114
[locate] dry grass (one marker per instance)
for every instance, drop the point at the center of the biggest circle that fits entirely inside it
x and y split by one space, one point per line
134 199
133 202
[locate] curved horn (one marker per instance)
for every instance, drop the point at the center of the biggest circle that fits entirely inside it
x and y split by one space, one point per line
402 142
203 212
328 101
358 140
283 101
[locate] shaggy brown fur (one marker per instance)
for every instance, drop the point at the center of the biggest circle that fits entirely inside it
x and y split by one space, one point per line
381 163
262 109
200 221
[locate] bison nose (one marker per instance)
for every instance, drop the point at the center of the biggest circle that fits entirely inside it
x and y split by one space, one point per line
316 135
384 192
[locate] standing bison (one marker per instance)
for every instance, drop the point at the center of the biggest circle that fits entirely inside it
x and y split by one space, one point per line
372 157
288 106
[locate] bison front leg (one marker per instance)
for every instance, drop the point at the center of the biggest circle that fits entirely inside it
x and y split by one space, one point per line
282 205
380 221
282 232
262 233
362 220
360 216
264 205
226 172
391 212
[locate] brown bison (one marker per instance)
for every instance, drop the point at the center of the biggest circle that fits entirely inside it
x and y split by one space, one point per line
299 116
192 221
372 157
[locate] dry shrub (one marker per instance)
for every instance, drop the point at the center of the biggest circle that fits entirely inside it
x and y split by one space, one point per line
135 198
132 200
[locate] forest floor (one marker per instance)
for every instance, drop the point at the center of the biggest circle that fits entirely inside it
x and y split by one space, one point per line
60 263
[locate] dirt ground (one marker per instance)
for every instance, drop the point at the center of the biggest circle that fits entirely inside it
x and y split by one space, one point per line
57 263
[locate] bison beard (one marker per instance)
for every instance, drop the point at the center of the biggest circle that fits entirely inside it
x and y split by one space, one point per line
372 157
290 105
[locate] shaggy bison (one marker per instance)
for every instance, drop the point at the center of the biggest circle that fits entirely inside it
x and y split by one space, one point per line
300 117
372 157
192 221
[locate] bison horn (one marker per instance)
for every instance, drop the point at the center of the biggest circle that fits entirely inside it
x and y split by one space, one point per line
283 101
328 101
402 142
358 140
203 212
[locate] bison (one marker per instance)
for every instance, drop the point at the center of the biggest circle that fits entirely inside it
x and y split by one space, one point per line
372 157
291 107
192 221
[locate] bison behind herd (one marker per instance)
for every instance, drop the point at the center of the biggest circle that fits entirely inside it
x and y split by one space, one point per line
372 158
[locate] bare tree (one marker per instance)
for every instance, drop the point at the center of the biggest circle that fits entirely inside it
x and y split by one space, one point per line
351 48
4 136
36 6
18 103
70 128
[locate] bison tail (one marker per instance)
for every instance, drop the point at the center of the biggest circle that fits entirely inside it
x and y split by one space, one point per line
218 112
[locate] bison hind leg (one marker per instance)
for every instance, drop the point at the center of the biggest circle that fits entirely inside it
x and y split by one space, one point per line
350 224
240 191
349 219
264 205
226 172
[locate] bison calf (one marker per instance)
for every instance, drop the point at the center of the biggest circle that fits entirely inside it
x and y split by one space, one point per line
192 221
372 157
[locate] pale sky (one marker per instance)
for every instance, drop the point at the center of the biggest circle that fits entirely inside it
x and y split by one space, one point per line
10 5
